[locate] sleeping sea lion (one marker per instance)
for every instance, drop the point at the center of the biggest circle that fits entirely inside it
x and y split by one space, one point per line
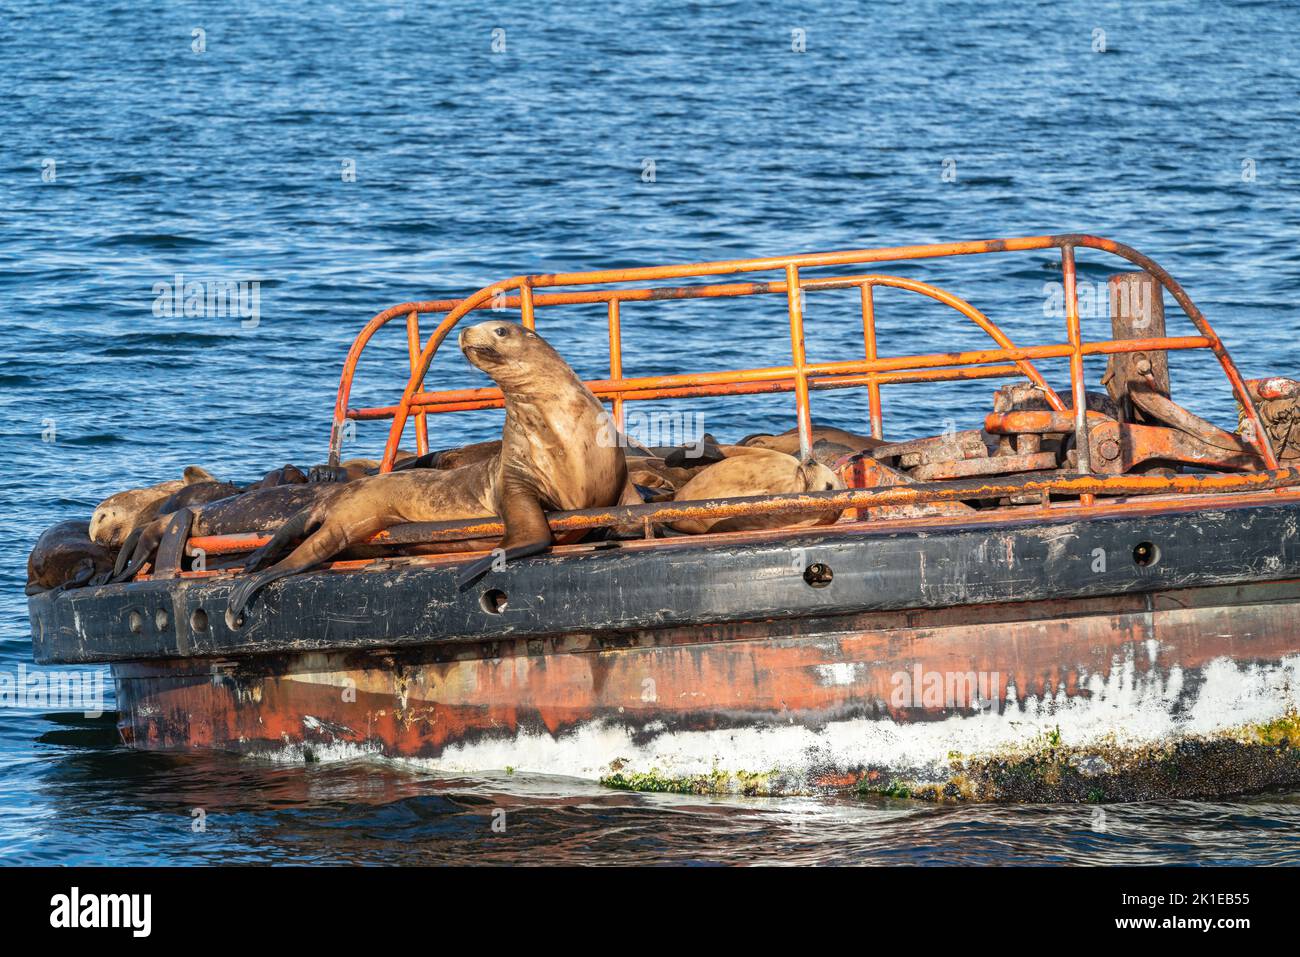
553 456
284 475
353 469
763 473
200 493
261 510
452 458
66 557
117 515
788 442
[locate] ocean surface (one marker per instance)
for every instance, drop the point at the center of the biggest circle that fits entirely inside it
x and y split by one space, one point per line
348 156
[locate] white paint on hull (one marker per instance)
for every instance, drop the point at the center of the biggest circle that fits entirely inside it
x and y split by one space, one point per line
1126 708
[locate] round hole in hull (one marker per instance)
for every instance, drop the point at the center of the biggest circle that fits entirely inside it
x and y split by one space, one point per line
493 601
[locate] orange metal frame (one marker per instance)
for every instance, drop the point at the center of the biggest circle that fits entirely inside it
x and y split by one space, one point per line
799 376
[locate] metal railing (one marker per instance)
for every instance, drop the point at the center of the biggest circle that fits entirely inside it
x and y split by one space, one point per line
799 376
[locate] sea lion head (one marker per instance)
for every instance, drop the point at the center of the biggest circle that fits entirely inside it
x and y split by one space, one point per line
117 515
512 355
815 477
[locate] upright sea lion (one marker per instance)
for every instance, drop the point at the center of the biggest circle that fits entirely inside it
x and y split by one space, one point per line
117 515
66 557
764 472
555 454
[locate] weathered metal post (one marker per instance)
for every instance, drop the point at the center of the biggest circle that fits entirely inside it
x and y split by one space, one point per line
1137 311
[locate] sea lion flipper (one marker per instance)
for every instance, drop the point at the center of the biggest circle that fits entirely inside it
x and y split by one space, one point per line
81 575
244 591
146 543
329 538
326 473
296 527
126 551
429 460
527 531
484 565
526 525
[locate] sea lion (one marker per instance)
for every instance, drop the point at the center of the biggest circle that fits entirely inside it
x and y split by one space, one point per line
555 454
284 475
261 510
788 442
353 469
66 557
200 493
452 458
117 515
764 472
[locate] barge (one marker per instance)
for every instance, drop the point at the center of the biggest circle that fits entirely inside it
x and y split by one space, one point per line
1086 597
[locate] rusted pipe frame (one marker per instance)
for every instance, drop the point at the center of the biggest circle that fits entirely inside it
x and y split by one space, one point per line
703 291
490 397
616 358
426 356
803 409
869 350
861 499
1078 386
526 303
846 374
1260 437
413 351
526 315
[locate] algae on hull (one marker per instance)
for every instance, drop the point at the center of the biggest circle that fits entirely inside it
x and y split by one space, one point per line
750 784
1251 757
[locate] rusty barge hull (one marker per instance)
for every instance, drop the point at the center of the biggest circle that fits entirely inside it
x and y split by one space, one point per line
1150 649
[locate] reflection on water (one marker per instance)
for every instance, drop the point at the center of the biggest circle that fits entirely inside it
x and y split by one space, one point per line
99 801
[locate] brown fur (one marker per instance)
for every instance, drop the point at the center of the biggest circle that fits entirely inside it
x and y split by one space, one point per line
788 442
553 456
260 510
285 475
120 513
65 556
759 472
468 454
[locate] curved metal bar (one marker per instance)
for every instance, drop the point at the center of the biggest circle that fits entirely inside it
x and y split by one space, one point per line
974 315
1260 439
464 306
527 299
421 365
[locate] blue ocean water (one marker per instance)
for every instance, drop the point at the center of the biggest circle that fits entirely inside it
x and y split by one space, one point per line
346 157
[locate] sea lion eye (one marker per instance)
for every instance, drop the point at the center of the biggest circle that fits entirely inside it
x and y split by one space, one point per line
500 331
